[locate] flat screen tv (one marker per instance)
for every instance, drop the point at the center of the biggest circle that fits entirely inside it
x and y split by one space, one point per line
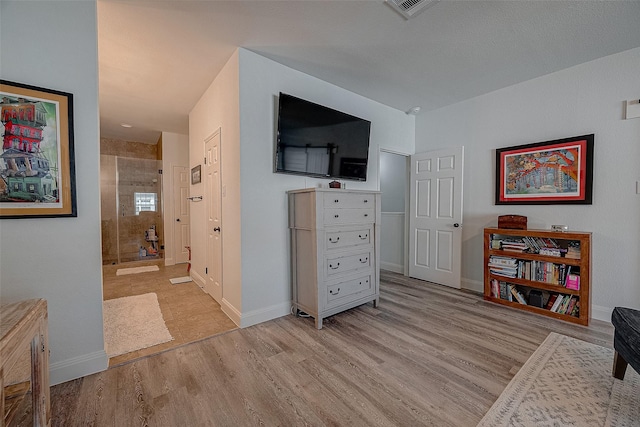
319 141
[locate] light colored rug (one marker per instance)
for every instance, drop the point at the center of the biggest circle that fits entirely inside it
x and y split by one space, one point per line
136 270
568 382
132 323
176 280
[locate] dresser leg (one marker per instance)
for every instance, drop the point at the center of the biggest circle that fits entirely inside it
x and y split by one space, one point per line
318 322
376 302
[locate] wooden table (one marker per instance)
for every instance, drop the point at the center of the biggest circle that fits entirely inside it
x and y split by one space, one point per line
24 324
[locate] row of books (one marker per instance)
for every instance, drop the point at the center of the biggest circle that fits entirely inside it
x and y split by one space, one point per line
539 271
507 291
556 302
536 245
564 304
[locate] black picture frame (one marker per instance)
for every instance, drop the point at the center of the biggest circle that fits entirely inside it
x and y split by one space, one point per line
37 162
546 173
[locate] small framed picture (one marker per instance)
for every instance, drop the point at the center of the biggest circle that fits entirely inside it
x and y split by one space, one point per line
196 175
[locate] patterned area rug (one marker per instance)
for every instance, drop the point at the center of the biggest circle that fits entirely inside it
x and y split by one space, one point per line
568 382
132 323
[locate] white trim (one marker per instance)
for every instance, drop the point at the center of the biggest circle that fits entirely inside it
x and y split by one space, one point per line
264 314
77 367
393 213
169 261
231 312
599 312
197 278
472 285
396 268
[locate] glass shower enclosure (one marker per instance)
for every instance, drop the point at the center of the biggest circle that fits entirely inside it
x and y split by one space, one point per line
131 208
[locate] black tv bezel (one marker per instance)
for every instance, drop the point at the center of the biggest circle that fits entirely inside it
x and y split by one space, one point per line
310 174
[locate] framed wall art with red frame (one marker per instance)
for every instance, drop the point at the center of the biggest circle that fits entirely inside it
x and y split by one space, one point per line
544 173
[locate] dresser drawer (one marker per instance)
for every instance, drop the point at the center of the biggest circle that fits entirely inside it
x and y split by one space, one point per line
347 263
342 200
347 238
348 216
347 291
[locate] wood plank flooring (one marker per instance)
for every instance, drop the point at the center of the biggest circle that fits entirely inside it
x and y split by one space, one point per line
427 356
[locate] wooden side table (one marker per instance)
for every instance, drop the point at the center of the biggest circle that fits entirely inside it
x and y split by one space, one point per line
22 324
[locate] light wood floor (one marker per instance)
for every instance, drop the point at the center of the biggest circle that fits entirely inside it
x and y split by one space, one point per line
427 356
189 313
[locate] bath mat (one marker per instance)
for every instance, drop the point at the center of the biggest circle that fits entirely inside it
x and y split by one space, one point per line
132 323
177 280
135 270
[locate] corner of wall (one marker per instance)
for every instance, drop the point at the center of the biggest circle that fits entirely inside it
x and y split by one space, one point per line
76 367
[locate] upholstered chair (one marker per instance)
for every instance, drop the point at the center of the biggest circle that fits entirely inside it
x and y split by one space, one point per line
626 340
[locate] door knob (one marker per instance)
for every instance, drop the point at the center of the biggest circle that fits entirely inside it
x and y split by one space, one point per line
216 229
456 225
178 220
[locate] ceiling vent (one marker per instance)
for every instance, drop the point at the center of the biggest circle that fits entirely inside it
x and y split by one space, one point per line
410 8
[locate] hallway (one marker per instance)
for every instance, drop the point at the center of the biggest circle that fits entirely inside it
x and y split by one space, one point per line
189 313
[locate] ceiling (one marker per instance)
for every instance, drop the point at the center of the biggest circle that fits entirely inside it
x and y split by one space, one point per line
156 58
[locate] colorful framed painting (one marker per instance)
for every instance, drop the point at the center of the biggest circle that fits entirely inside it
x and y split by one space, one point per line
551 172
37 166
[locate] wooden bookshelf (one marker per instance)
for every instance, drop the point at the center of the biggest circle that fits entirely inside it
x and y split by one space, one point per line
563 239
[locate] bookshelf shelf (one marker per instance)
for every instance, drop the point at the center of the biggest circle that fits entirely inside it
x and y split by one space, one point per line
550 271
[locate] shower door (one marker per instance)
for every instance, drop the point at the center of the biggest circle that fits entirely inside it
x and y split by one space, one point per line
131 201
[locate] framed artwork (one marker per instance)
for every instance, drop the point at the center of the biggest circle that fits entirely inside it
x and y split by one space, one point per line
551 172
196 174
37 165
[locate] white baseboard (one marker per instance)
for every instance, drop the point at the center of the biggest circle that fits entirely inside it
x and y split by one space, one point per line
599 312
396 268
244 320
77 367
197 278
231 312
264 314
472 285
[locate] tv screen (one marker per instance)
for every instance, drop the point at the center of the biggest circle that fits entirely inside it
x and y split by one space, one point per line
319 141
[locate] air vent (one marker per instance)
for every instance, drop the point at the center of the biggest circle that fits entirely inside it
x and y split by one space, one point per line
410 8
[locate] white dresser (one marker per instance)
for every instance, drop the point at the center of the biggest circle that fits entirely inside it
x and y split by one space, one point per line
335 250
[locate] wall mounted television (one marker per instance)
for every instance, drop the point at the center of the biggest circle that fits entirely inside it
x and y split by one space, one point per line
318 141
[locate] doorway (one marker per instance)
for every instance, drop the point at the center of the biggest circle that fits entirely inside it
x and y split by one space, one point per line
393 186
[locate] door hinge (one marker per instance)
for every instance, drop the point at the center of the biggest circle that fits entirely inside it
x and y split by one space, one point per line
159 171
205 160
206 270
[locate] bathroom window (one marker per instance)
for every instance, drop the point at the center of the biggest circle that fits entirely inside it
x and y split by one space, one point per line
146 202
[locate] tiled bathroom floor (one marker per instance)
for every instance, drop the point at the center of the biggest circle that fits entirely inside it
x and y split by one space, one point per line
189 313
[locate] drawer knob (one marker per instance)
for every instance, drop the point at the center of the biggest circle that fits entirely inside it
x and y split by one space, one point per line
336 216
334 293
334 241
334 268
366 214
364 260
336 201
366 201
363 237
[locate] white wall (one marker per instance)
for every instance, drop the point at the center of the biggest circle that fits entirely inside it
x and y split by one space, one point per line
175 152
242 101
59 259
265 245
580 100
218 108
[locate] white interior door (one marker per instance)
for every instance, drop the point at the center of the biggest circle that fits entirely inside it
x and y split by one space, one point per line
181 177
213 199
435 216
